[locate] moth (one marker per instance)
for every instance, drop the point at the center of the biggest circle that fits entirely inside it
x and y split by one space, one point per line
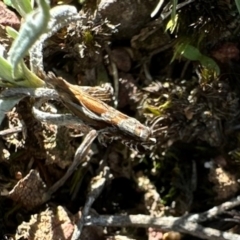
97 113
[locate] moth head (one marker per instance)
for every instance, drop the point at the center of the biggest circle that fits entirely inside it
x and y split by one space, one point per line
134 128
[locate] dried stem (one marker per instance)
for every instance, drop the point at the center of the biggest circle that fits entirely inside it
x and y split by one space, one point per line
164 223
10 131
187 224
213 212
96 186
79 158
67 120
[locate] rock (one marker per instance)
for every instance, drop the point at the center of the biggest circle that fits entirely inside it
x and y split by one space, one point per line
132 15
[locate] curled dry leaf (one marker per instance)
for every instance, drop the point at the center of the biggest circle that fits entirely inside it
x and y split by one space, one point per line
29 191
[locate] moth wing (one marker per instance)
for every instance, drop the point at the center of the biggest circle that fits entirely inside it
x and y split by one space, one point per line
103 93
86 111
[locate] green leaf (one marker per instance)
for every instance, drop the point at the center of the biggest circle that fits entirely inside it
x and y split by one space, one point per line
6 70
34 26
24 77
32 80
171 25
174 10
189 52
22 6
12 32
209 63
157 111
8 2
192 53
237 2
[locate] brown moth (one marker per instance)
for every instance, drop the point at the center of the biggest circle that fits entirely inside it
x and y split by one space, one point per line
95 112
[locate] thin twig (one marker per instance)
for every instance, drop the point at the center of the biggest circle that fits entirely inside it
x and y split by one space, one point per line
164 223
184 69
79 157
10 131
116 82
102 165
186 224
115 75
104 92
45 93
213 212
96 186
147 73
157 8
179 6
67 120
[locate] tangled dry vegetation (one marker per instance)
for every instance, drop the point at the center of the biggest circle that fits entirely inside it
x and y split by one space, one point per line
174 66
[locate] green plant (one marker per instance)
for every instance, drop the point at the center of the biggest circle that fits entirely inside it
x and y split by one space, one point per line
237 2
14 71
39 24
193 54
